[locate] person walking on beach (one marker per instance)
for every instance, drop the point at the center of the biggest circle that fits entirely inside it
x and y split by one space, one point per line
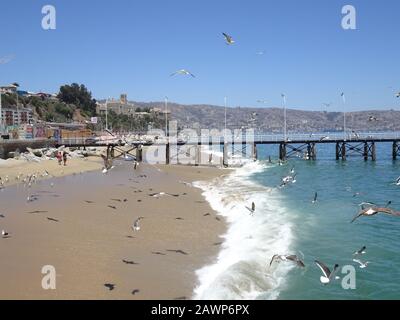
65 158
59 157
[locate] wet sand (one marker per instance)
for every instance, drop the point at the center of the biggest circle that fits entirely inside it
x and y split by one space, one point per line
80 227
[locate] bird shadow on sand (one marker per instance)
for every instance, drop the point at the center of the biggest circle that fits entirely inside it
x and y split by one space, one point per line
178 251
158 253
129 262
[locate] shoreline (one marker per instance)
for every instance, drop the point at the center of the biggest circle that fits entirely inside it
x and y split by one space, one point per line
91 244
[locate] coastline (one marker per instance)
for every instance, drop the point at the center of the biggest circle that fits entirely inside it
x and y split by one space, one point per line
92 244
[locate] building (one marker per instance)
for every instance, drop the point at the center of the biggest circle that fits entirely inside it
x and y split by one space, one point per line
160 113
121 106
13 117
9 89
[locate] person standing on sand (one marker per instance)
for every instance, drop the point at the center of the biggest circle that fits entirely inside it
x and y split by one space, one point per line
59 157
65 158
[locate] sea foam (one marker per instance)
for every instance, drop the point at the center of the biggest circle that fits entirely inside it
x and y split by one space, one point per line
241 270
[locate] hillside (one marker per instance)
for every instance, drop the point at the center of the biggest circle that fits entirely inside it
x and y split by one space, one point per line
271 119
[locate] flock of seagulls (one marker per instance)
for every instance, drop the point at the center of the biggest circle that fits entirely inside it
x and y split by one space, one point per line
368 209
328 275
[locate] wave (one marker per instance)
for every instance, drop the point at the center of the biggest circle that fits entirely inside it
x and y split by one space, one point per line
241 270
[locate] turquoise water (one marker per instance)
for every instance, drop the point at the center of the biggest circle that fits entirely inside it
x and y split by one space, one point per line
323 230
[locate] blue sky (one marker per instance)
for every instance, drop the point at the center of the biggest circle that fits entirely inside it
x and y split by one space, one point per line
133 46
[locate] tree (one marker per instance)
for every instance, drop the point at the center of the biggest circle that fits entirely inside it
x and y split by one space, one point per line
78 95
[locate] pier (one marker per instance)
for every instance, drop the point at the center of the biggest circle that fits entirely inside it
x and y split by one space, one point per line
296 145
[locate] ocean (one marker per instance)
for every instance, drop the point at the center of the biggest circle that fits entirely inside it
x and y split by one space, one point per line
287 222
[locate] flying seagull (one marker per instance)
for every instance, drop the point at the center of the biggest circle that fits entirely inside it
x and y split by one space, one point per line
135 225
373 210
397 183
315 198
292 258
327 274
361 251
260 53
363 265
252 209
183 72
228 39
398 95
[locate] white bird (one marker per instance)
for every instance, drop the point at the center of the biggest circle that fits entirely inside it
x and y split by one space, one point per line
397 183
363 265
398 95
31 198
135 225
228 39
4 233
183 72
361 251
327 274
260 53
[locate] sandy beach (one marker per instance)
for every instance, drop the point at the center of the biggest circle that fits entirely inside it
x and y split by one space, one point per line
81 225
12 168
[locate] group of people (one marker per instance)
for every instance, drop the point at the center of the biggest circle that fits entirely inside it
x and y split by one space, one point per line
62 157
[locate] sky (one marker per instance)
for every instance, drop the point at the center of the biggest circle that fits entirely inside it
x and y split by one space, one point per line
132 46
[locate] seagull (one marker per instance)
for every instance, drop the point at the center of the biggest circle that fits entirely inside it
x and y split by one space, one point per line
363 265
397 183
398 95
31 198
260 53
252 209
292 258
315 198
109 286
361 251
328 275
160 194
183 72
327 105
135 291
228 39
4 233
262 101
135 225
373 210
372 118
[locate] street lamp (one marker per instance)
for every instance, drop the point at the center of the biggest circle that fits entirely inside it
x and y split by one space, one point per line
166 116
284 117
344 116
106 115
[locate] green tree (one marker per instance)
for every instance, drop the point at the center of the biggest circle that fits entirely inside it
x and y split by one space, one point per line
78 95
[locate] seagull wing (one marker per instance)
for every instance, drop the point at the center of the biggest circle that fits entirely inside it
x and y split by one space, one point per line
357 216
325 270
276 256
335 268
365 205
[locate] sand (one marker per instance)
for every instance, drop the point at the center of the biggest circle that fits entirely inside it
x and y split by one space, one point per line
74 227
12 168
